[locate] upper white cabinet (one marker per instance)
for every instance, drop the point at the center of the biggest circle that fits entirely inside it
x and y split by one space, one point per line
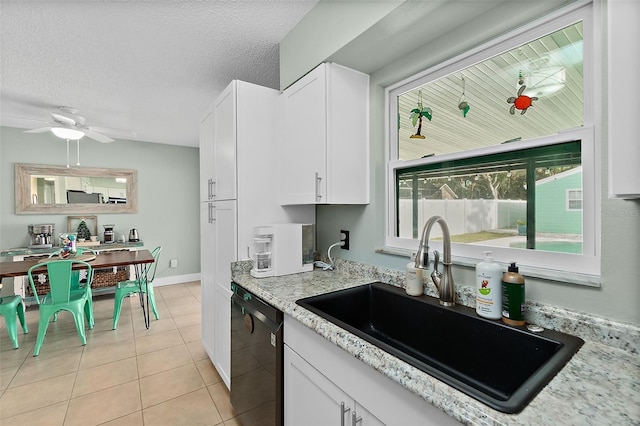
206 154
224 155
624 126
324 150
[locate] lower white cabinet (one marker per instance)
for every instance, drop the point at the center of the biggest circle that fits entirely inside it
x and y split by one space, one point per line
325 385
313 400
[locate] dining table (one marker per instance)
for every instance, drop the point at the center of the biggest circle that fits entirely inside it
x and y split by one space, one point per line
139 259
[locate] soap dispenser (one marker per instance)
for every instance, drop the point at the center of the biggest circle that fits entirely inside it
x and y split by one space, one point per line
489 288
513 296
414 284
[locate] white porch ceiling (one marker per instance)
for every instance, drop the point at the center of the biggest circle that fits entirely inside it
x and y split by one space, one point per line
149 67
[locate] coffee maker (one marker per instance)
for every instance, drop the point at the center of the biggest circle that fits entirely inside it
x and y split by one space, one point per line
41 236
109 235
283 249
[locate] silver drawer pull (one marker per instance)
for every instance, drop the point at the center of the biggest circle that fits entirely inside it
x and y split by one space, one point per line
343 410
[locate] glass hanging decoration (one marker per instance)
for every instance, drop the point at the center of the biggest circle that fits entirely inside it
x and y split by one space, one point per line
522 101
417 114
463 105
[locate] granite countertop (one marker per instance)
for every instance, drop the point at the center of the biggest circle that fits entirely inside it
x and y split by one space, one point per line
599 385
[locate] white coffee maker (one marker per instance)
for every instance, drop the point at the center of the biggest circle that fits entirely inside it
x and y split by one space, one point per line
283 249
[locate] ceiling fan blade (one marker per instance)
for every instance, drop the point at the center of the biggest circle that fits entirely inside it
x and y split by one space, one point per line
63 119
97 136
117 133
40 130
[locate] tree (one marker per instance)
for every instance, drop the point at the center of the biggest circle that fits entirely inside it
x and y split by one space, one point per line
83 231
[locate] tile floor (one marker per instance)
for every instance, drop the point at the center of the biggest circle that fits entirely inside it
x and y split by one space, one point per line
128 376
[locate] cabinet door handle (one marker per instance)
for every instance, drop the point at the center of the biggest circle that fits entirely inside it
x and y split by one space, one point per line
209 189
213 189
318 196
343 410
355 419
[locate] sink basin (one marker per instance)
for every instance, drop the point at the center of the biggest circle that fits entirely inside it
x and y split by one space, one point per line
500 365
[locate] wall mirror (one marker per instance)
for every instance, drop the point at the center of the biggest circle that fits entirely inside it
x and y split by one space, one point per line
46 189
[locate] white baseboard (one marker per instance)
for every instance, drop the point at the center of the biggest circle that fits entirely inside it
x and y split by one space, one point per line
176 279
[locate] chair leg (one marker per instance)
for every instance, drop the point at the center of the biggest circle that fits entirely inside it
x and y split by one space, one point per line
152 300
78 317
88 311
12 328
117 307
21 316
42 331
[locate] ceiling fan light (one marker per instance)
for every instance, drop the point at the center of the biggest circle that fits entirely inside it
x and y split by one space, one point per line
66 133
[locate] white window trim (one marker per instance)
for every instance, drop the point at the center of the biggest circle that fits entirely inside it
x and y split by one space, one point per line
582 269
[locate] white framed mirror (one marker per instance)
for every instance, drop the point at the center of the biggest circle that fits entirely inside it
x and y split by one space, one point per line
47 189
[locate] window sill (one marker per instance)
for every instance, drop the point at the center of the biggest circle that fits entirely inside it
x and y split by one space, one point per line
528 271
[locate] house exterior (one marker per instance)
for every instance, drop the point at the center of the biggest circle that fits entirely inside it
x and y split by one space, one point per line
559 203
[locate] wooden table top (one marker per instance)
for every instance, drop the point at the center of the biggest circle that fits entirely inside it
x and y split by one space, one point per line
105 259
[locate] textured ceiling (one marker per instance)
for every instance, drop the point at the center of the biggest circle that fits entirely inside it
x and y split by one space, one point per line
149 67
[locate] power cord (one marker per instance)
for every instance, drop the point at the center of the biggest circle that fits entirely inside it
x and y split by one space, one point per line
328 266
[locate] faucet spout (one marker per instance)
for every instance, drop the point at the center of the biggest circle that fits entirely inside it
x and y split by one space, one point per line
442 280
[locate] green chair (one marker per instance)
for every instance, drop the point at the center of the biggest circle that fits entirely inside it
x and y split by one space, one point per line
61 298
127 288
9 307
75 283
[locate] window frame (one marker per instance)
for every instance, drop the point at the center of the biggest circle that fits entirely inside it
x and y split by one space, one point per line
545 264
569 199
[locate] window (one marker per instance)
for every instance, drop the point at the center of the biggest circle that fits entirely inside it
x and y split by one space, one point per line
501 144
574 199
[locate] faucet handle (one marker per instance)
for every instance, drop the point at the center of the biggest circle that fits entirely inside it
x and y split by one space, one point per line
436 275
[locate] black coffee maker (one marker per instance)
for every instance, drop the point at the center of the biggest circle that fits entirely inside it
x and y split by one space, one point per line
109 235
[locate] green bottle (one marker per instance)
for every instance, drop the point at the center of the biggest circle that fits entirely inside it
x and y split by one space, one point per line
513 296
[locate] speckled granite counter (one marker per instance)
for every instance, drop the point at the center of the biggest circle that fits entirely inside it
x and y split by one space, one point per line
599 386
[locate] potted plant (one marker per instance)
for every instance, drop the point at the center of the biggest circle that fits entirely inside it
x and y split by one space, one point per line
522 227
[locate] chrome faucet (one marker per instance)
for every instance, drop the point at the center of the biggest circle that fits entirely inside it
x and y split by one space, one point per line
443 280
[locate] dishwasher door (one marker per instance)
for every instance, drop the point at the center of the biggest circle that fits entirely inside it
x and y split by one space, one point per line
256 360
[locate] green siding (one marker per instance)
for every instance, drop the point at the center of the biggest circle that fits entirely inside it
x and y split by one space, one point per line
551 205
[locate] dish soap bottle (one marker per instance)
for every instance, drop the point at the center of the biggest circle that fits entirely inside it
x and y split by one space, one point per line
489 288
414 285
513 296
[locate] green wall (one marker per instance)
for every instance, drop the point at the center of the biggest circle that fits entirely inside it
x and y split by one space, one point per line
168 192
619 295
551 206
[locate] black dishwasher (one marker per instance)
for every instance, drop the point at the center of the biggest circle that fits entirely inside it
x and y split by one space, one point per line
256 359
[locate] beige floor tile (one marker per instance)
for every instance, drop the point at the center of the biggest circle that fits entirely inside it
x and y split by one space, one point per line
45 368
15 357
193 307
133 419
109 337
197 350
233 422
7 374
53 415
50 353
188 319
36 395
170 384
172 291
208 372
195 408
163 360
105 405
157 341
99 355
105 376
191 333
220 395
155 326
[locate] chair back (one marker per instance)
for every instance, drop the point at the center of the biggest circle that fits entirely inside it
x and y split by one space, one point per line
61 278
150 271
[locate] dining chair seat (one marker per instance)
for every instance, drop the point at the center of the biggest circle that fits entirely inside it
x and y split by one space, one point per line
10 307
62 298
142 285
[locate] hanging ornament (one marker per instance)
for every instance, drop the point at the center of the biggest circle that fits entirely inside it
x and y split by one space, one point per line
463 105
521 102
417 114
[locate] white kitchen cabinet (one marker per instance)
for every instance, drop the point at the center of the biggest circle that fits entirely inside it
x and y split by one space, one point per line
238 179
624 126
324 149
319 376
313 400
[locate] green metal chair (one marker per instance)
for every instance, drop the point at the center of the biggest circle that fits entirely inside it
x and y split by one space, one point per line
9 307
126 288
61 298
76 282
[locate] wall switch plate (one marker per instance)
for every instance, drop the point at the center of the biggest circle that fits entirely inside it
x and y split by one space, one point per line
173 263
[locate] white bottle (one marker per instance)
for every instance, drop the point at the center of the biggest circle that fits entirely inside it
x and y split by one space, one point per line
415 286
489 288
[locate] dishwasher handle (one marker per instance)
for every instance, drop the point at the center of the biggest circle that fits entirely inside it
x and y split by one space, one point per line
271 325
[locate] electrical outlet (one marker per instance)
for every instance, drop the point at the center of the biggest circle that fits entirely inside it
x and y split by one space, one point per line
344 236
173 263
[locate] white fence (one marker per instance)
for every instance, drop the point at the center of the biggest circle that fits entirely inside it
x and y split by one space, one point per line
463 216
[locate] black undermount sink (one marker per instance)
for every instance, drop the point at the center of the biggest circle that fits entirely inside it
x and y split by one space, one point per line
499 365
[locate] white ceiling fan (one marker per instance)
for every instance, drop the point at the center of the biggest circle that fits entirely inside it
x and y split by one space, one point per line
67 124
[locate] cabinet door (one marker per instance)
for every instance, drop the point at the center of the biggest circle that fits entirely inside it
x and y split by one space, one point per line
207 289
303 158
225 252
310 398
206 155
224 151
